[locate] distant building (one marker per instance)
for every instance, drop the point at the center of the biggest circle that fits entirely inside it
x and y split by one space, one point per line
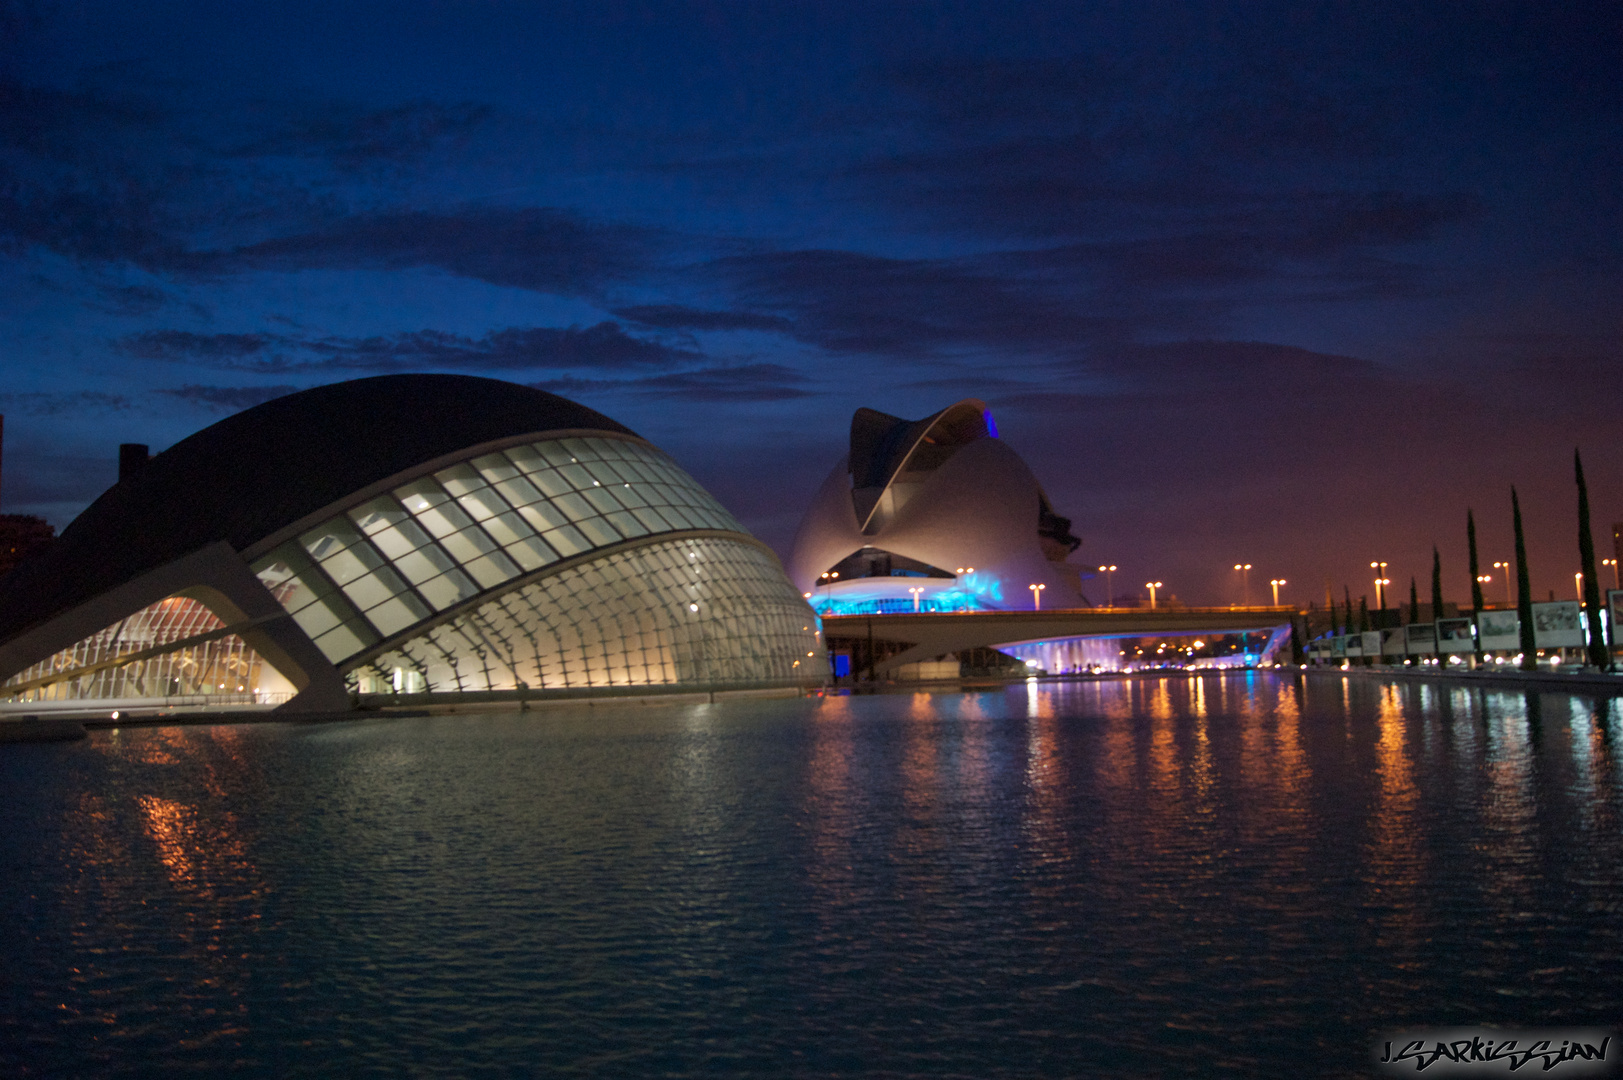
935 514
429 535
22 535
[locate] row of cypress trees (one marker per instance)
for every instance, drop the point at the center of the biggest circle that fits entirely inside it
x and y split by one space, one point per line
1599 655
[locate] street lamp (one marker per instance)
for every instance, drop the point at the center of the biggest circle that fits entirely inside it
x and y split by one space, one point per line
1506 568
1276 583
1036 596
1110 592
1483 579
916 590
1245 579
1578 585
1152 586
1381 582
1617 583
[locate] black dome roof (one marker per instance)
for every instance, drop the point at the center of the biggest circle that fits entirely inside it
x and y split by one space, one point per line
264 468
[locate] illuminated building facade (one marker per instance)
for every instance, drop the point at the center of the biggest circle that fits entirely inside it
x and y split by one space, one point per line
404 535
933 515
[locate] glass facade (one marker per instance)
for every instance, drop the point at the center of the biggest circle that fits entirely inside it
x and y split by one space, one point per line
223 669
697 611
471 528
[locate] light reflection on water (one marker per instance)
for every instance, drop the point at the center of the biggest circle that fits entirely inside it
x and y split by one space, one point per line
1183 876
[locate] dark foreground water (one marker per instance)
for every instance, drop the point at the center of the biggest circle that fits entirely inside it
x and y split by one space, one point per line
1230 875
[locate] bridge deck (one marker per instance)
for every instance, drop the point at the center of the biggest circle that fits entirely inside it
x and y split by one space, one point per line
931 634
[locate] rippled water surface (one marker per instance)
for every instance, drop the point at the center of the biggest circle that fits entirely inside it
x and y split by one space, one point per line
1231 874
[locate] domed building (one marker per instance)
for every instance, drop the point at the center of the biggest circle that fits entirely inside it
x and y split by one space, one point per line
933 515
436 535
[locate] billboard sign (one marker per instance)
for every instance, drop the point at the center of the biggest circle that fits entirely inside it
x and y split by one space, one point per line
1421 638
1454 636
1614 604
1372 643
1499 630
1392 643
1355 645
1558 624
1338 645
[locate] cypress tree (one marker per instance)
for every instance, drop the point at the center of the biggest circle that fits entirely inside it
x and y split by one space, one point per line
1297 655
1598 651
1436 584
1348 628
1476 581
1414 602
1363 614
1332 615
1524 589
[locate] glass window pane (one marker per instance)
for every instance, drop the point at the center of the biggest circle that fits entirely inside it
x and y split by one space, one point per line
627 494
577 475
448 589
460 479
603 472
603 500
598 531
468 544
628 525
444 519
374 589
652 519
340 643
316 619
567 541
554 453
576 507
551 484
507 528
397 614
401 540
329 537
380 513
531 553
421 494
542 516
424 563
484 503
351 563
519 491
526 458
492 570
495 468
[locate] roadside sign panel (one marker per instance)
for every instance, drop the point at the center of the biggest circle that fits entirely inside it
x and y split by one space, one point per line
1499 631
1558 624
1421 638
1454 636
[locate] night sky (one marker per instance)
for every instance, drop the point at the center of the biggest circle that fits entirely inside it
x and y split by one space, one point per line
1286 284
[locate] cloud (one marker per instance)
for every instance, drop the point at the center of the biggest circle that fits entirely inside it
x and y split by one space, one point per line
58 404
230 398
353 138
604 346
544 250
677 317
741 382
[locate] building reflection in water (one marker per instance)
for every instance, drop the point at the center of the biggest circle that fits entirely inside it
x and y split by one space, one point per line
1396 852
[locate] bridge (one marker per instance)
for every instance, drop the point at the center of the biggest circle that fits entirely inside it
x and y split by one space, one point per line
903 638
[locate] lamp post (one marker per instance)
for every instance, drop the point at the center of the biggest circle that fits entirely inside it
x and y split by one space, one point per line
1245 581
1617 582
1110 592
1152 586
1506 568
1276 583
1381 582
1036 596
915 590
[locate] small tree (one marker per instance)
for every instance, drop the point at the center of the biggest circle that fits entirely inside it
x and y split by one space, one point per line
1436 584
1599 653
1476 581
1363 614
1414 602
1348 626
1524 589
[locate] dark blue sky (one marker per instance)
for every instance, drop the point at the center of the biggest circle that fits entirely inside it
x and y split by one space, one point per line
1288 284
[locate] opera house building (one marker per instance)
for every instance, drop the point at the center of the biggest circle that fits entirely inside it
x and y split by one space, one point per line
936 514
416 538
